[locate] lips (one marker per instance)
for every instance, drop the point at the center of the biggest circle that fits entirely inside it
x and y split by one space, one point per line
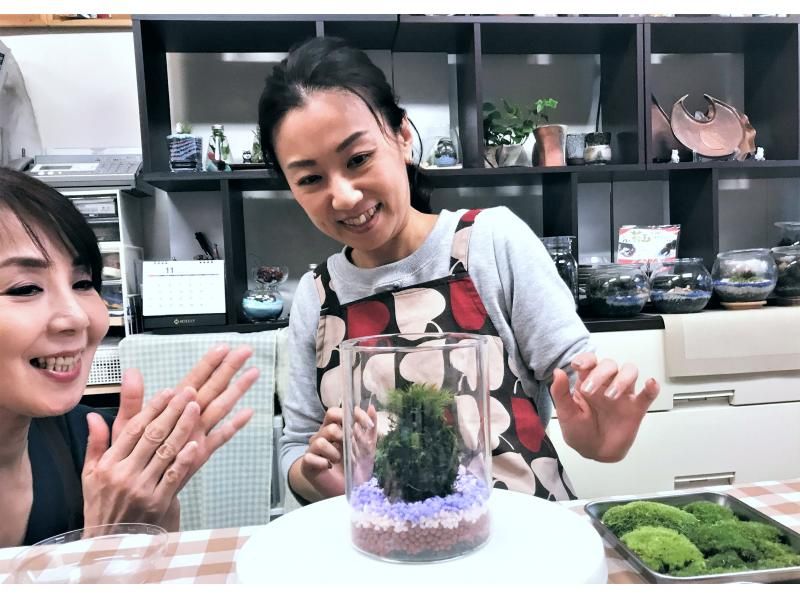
58 363
362 218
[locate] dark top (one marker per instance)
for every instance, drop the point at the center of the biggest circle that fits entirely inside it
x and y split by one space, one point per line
57 449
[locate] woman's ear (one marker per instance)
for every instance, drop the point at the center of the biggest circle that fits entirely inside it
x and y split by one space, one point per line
406 140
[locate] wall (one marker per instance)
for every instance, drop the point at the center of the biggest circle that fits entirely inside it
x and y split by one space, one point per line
82 87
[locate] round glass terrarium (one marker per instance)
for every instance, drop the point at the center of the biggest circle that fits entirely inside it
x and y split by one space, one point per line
416 445
680 286
744 278
787 260
617 290
265 302
789 233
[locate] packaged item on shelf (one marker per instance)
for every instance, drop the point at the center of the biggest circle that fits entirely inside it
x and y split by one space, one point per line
647 245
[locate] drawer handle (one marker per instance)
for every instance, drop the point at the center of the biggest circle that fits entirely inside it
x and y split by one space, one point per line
684 399
683 482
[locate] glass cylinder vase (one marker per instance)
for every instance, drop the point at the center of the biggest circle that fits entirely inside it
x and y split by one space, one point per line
416 445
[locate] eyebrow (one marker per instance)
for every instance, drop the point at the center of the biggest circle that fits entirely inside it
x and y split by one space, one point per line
25 262
339 148
35 263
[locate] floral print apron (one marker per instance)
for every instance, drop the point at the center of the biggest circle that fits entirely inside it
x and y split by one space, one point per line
523 456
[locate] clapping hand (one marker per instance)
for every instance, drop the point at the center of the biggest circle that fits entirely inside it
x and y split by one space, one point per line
156 449
601 417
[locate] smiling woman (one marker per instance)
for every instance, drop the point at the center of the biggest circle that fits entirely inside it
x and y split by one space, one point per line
57 470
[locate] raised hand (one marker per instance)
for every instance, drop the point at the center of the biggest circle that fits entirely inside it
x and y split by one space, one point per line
322 466
215 395
601 417
137 479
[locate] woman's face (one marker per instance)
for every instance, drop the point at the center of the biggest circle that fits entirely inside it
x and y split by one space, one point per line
348 173
51 321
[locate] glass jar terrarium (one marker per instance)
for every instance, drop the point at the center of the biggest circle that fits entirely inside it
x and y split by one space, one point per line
789 233
680 286
744 278
560 249
617 290
787 260
416 445
265 302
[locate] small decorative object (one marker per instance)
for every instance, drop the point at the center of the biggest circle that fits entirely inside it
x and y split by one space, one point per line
550 148
617 290
663 139
598 148
504 131
790 233
247 157
185 150
721 133
443 151
675 158
560 249
416 444
759 157
265 302
576 142
787 260
744 278
647 245
219 152
681 286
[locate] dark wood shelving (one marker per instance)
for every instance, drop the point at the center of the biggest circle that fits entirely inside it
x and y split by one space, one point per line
770 72
243 328
250 180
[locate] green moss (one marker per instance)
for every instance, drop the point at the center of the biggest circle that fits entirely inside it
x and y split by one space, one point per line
664 550
670 543
418 458
726 561
755 530
709 512
724 536
622 519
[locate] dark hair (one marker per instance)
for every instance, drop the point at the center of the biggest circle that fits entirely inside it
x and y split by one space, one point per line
330 63
41 210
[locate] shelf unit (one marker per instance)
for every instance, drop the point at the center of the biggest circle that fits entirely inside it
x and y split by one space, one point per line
624 46
59 21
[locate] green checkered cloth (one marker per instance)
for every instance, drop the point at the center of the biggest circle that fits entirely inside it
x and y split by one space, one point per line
233 488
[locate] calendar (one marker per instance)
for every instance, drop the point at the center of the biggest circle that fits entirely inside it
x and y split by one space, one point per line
183 293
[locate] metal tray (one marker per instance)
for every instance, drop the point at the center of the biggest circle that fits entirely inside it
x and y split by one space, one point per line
596 509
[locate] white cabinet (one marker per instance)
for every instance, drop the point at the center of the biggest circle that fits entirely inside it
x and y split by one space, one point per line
710 444
702 430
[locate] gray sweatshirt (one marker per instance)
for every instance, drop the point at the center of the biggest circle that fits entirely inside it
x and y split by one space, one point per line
529 305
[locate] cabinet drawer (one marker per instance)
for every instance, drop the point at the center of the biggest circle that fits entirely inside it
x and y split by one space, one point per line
750 443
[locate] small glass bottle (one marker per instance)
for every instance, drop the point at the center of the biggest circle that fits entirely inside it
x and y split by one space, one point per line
560 249
219 152
185 150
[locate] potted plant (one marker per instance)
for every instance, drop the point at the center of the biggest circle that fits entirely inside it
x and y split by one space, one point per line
550 139
505 129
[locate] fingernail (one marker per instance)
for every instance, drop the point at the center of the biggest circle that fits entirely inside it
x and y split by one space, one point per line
220 348
577 363
611 393
370 424
588 386
330 465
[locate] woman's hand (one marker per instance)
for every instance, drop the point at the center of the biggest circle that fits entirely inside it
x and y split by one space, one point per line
216 397
138 478
601 418
319 473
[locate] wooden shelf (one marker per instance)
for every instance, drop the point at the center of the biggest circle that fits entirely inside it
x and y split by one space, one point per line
65 22
101 389
116 321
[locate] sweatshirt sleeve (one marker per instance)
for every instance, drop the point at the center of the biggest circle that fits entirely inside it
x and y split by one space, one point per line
302 411
540 308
